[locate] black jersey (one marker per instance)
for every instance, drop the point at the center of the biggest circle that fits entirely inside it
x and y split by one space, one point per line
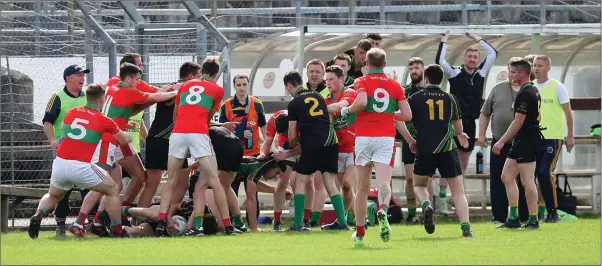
528 102
162 125
433 113
309 110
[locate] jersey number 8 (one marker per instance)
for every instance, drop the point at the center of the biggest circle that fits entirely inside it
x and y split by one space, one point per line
381 96
195 93
77 124
313 107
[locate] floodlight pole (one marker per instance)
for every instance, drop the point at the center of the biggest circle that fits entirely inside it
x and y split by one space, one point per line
301 57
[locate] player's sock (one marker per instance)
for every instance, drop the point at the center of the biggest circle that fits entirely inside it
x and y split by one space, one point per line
162 216
237 219
532 217
226 222
514 210
384 207
81 218
412 207
541 208
96 217
117 227
60 222
277 216
126 203
198 220
306 214
125 210
442 192
315 217
350 217
339 208
361 231
425 203
465 226
41 211
299 200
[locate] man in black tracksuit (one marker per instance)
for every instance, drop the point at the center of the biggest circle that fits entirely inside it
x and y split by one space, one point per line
467 83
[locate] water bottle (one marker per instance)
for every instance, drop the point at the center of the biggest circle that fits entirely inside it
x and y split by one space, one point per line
250 140
480 166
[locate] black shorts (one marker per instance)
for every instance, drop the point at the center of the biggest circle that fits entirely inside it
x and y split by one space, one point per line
125 173
157 151
324 159
469 126
229 157
407 156
524 150
448 164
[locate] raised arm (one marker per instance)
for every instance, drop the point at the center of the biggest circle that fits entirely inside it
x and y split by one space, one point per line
450 72
487 64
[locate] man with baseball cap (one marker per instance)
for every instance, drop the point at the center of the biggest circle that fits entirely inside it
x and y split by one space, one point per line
60 102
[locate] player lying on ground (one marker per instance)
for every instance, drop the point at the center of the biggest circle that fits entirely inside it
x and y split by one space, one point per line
319 149
277 129
75 161
378 98
437 119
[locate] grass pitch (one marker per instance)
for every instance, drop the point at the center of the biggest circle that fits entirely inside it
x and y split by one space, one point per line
571 242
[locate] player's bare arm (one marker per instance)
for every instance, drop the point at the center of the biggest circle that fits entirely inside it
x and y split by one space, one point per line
266 146
123 138
459 133
173 209
483 124
336 107
292 133
229 125
569 141
159 97
359 104
296 151
515 126
405 113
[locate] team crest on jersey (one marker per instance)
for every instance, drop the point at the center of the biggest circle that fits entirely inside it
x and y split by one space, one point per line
550 149
339 122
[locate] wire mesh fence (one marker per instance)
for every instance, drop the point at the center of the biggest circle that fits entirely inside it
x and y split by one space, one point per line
39 39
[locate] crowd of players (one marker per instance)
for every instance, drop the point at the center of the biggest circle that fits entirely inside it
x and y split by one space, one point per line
337 129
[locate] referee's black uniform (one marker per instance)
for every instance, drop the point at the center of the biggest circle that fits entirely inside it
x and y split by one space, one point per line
157 141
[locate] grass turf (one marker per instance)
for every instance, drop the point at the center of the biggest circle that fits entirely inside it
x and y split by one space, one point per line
574 242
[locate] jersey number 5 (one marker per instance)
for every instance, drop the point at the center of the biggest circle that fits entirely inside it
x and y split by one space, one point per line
439 104
313 107
77 124
194 96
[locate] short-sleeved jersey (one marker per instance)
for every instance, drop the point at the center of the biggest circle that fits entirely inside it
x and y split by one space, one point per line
378 117
119 105
309 110
142 85
83 129
344 126
195 100
281 139
433 113
528 102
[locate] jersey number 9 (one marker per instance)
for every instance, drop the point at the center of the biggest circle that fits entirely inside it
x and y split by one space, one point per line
381 96
313 107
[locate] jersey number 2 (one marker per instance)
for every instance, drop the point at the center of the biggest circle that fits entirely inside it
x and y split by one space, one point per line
77 124
313 107
431 105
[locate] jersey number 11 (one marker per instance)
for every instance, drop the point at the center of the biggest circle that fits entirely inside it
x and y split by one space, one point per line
431 103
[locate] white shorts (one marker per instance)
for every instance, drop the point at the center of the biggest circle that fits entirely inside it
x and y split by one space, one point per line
374 149
112 153
69 173
196 144
345 160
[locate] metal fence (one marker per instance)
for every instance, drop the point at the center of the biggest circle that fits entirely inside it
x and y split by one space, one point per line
38 39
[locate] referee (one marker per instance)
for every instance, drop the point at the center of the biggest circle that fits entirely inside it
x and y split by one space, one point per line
157 142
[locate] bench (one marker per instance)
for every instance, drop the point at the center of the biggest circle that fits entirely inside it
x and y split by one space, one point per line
569 174
21 193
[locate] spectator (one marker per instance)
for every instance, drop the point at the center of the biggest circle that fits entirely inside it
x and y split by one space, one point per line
60 102
358 56
344 61
375 39
315 70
